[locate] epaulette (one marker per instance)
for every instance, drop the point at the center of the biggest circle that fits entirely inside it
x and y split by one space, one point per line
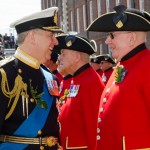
6 60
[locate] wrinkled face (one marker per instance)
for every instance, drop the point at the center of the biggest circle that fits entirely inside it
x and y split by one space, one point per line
119 42
67 61
45 42
60 68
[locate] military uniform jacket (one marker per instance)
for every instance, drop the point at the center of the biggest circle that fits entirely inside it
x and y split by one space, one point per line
64 90
79 114
17 106
100 72
124 113
65 84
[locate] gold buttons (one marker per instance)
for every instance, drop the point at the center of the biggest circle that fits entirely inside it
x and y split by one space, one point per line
39 132
19 70
99 120
31 100
41 147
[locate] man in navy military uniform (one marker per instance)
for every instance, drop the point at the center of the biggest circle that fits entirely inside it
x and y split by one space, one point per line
28 93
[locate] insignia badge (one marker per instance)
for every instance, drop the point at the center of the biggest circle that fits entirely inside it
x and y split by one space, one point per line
69 43
53 87
73 90
55 17
119 24
70 39
104 78
120 17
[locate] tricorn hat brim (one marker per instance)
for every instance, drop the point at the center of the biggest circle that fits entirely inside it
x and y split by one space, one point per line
136 21
74 42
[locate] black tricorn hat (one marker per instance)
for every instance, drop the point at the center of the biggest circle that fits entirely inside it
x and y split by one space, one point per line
107 57
73 42
96 59
45 20
122 19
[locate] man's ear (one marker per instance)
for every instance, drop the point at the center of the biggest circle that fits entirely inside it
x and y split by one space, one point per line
133 38
31 37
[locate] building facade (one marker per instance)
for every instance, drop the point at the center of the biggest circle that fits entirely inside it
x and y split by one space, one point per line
77 15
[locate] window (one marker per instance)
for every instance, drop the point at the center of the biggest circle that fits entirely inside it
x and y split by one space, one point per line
51 3
71 21
129 3
78 21
107 6
99 7
141 4
117 2
91 11
101 49
84 17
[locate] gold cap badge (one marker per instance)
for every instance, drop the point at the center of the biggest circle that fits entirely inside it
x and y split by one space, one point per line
55 17
69 43
119 24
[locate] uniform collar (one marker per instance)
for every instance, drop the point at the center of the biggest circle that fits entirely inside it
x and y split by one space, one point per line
27 59
54 72
108 69
67 76
81 69
134 52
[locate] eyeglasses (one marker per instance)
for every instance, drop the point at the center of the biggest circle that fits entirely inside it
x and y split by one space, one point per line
112 35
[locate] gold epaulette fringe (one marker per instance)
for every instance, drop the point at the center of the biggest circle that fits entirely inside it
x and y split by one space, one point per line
19 88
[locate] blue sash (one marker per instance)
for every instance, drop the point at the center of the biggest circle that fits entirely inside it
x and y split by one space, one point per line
35 121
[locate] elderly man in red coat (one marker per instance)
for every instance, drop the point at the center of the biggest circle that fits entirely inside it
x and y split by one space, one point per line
78 116
124 112
95 63
107 66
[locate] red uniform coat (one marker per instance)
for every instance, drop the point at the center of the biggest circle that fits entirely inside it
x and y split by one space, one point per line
124 118
106 75
100 72
79 114
58 75
64 88
65 84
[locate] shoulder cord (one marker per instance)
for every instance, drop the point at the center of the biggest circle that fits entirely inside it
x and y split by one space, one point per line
19 87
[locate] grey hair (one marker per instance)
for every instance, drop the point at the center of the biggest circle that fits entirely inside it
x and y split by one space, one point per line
22 36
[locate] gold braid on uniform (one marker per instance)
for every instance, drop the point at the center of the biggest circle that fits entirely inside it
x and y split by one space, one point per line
19 87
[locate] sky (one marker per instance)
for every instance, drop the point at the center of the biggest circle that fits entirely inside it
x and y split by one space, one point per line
12 10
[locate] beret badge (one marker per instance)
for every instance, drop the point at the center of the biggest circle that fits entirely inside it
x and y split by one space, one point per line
69 43
120 17
70 39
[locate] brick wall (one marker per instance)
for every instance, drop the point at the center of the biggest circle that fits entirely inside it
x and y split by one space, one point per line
73 5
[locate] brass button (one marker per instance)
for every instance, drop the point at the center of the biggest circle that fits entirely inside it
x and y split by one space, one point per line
98 137
105 100
31 100
39 132
19 70
101 109
41 147
99 120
